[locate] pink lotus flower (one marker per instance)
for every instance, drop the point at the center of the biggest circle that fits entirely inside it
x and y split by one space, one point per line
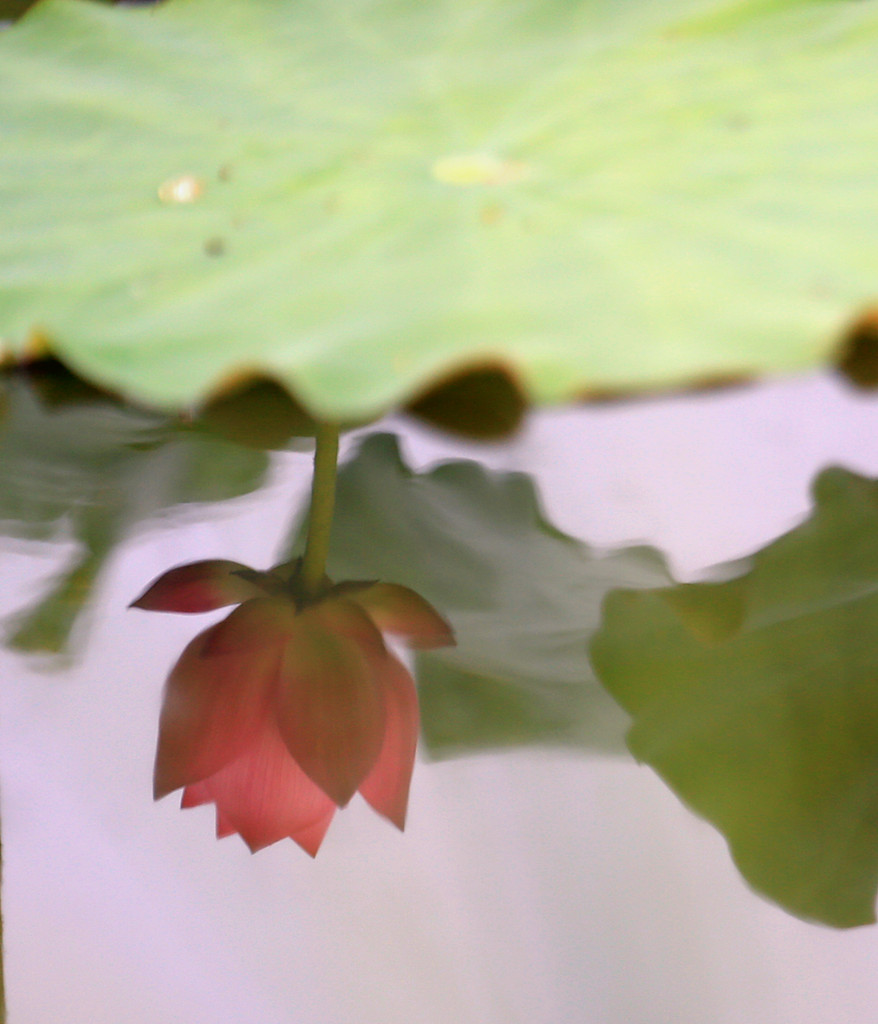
289 706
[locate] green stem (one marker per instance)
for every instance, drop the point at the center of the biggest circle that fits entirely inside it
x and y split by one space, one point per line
322 505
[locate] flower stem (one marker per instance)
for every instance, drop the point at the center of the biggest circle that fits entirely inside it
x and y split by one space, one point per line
322 505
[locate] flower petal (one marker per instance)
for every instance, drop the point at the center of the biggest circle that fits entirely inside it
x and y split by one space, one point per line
311 836
195 795
223 826
330 701
265 796
258 623
397 609
386 787
199 587
212 709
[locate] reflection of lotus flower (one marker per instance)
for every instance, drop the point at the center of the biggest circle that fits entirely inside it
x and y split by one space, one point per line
282 711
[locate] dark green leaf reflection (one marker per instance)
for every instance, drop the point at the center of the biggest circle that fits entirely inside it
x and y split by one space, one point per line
73 463
522 598
12 9
757 701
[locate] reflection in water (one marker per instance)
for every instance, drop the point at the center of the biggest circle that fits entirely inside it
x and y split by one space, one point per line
542 885
702 668
283 711
756 699
75 464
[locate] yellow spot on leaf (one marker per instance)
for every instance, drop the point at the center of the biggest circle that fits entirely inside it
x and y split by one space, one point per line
478 169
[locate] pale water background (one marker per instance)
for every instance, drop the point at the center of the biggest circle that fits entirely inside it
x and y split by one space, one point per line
531 887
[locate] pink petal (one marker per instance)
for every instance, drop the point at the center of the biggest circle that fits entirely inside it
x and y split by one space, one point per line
198 587
195 795
265 796
212 709
387 786
223 826
311 836
330 704
256 624
397 609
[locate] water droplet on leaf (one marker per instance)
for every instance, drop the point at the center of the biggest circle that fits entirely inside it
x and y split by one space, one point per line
185 188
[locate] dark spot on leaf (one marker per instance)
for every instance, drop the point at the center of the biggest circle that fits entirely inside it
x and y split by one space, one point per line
214 247
738 122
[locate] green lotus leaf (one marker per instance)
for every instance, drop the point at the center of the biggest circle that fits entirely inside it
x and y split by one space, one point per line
756 701
362 197
522 597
